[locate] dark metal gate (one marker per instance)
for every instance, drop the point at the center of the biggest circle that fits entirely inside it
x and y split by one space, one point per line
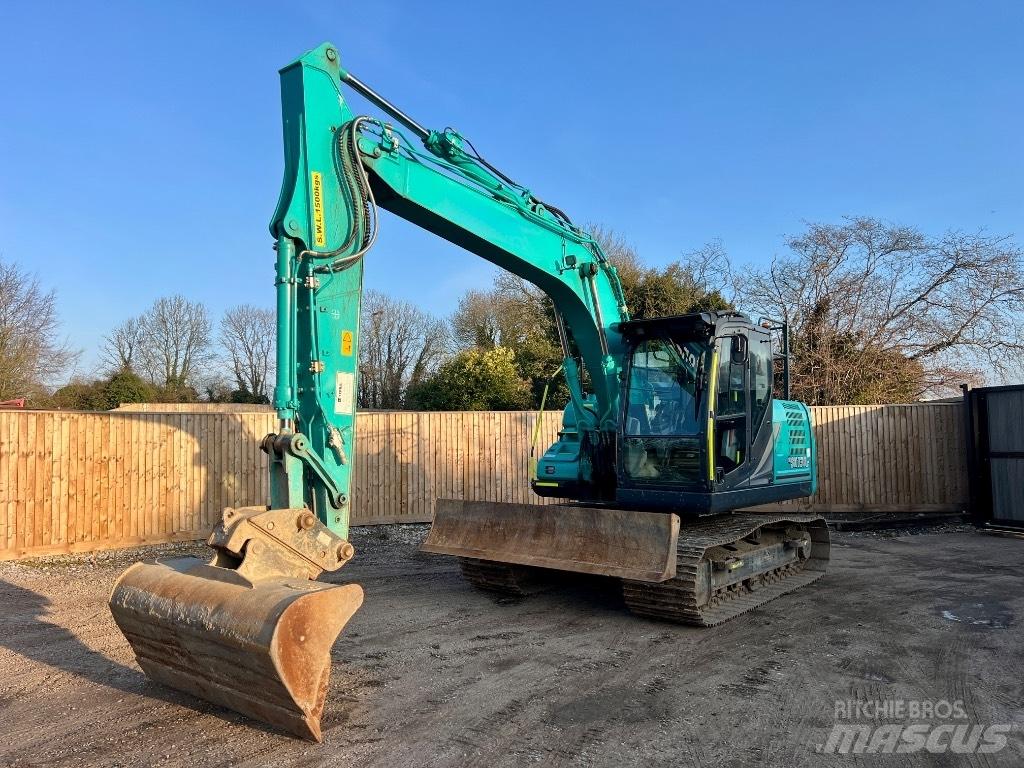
995 454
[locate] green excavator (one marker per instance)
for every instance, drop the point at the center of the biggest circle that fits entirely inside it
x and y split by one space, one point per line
671 427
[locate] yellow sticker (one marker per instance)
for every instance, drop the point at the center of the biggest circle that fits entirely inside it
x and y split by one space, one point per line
319 231
346 343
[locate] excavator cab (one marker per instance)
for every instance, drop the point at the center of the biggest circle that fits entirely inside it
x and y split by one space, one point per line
662 444
699 431
696 433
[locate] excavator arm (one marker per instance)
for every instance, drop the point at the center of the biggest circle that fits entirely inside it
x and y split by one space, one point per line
339 168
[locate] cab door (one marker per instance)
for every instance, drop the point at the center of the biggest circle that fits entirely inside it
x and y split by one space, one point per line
742 418
731 447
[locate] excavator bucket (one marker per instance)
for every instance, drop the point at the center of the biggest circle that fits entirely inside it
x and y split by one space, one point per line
640 546
240 634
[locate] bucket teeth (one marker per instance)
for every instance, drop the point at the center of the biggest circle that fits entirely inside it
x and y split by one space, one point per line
261 649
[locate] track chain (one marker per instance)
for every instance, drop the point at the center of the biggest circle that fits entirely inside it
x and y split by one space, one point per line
492 576
676 599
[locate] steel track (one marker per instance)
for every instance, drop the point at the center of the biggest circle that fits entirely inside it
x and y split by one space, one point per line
675 599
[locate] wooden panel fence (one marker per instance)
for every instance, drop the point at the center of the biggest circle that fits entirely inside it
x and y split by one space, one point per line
193 408
73 481
889 458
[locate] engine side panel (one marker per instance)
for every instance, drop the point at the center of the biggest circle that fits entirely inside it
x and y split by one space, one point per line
795 459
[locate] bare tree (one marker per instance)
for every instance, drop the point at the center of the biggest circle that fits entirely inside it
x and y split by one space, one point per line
512 313
709 268
31 354
399 345
122 347
477 321
177 334
518 315
693 283
868 300
247 334
619 251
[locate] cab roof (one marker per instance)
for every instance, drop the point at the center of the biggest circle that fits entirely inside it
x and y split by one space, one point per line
697 324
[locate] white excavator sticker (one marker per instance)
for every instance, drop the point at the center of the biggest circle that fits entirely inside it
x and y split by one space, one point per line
344 392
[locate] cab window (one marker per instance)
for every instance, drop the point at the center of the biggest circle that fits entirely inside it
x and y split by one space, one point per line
663 389
760 383
732 396
730 409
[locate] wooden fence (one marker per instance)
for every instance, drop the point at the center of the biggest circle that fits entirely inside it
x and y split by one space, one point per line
889 458
72 481
193 408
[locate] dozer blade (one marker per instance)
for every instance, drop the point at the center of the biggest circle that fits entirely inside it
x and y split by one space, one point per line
609 542
250 630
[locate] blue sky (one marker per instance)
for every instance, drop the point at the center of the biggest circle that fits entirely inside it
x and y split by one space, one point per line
140 142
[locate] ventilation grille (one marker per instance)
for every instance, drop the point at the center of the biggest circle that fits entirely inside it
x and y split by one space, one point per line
796 420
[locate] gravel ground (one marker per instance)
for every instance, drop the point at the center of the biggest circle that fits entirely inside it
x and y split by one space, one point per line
431 672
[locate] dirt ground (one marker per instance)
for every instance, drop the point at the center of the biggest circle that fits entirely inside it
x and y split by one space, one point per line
433 673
